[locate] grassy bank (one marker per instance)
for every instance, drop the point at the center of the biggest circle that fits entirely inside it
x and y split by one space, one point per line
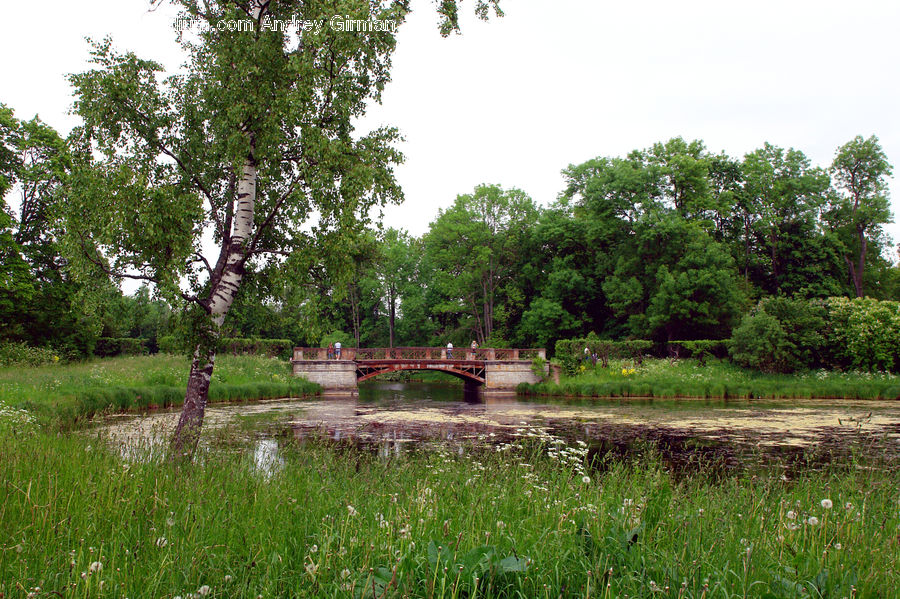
66 394
687 378
76 521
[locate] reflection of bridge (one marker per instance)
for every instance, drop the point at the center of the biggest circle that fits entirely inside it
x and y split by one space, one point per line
495 369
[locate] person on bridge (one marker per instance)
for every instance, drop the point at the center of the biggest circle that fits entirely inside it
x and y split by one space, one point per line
330 350
337 350
449 351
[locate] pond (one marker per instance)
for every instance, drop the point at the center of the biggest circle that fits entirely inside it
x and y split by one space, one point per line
393 418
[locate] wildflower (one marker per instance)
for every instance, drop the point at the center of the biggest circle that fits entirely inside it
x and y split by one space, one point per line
837 545
161 542
170 521
314 549
848 506
791 515
351 510
203 591
586 479
345 573
826 503
95 567
228 578
500 524
813 521
311 568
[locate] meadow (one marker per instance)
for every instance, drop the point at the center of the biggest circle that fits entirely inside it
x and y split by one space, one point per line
64 395
535 518
715 380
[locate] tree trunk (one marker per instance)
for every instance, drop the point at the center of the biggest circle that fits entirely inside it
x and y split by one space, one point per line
226 280
856 271
393 302
187 433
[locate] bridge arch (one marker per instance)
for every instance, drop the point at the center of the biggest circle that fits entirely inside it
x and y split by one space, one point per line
468 374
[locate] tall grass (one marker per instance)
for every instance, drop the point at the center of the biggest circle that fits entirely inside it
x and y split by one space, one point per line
718 380
77 521
67 393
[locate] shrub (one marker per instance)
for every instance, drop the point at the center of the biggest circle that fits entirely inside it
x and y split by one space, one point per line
780 335
864 333
282 348
22 354
108 347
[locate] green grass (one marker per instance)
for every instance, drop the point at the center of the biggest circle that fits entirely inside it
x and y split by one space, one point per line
329 523
686 378
65 394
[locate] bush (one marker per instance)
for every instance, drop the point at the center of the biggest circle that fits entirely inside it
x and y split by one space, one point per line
780 335
864 333
281 348
571 351
107 347
22 354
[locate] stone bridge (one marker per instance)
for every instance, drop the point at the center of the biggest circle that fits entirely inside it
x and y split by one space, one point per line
491 368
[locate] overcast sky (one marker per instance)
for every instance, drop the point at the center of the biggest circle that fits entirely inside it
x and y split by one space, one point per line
554 82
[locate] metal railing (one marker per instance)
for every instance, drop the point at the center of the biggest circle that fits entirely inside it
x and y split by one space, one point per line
419 353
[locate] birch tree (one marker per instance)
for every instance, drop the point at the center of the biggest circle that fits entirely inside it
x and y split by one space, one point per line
251 148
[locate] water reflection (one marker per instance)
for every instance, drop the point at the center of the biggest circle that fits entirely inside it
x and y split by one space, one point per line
266 457
392 418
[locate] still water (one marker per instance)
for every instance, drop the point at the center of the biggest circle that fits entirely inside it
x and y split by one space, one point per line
393 418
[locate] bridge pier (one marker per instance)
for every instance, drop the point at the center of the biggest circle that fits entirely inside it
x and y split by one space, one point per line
505 375
337 376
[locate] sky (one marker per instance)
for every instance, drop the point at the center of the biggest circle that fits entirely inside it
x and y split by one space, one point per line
553 83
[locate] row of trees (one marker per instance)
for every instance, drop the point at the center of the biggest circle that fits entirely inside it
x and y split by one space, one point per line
671 242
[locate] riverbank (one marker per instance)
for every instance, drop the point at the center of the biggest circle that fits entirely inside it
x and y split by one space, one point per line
315 520
62 396
715 380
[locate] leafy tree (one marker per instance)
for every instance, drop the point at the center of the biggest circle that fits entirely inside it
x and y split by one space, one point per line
396 270
473 247
253 144
699 296
782 196
860 206
681 170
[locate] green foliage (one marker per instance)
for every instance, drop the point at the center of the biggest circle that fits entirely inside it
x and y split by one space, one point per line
859 207
780 335
108 347
539 367
473 249
716 379
282 348
864 333
333 337
21 354
701 349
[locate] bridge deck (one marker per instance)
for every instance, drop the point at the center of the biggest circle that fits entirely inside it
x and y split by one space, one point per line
419 353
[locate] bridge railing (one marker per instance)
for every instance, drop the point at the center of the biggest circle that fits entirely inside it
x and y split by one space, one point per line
419 353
